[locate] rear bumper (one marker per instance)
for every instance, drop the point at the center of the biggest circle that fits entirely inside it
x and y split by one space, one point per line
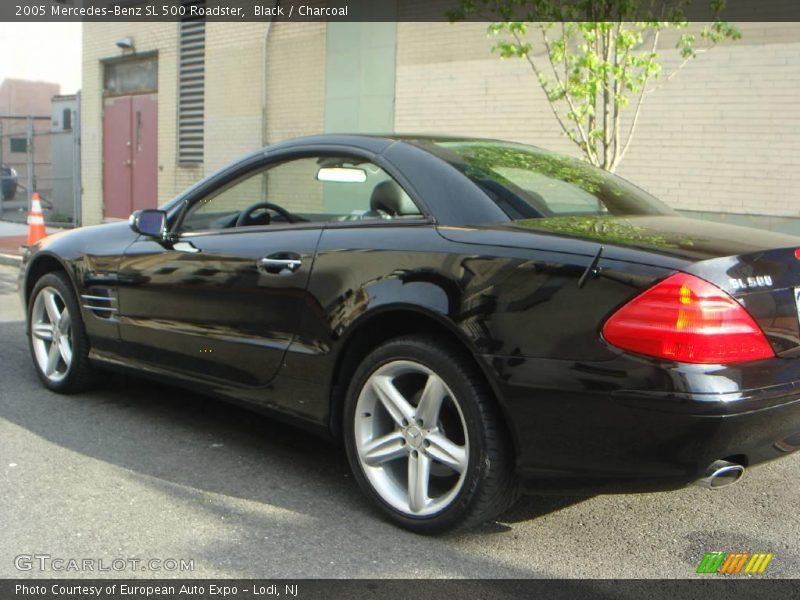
605 427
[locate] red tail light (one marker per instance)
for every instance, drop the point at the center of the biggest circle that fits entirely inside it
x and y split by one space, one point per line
687 319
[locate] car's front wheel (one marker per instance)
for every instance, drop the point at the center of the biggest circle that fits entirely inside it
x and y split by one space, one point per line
58 342
425 439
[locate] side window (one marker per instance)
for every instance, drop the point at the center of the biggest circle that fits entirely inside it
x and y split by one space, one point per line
318 189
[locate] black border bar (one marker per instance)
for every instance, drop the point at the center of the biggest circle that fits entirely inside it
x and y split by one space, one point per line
706 588
392 10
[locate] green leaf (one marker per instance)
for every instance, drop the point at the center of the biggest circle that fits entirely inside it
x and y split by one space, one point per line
592 56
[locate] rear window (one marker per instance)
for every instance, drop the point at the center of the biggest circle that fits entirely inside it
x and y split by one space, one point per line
527 182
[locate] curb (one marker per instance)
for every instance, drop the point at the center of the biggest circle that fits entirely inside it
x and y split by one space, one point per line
10 259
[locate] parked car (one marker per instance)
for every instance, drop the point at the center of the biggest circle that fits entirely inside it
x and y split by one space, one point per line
472 318
8 187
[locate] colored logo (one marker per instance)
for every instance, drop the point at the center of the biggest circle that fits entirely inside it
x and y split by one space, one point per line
727 563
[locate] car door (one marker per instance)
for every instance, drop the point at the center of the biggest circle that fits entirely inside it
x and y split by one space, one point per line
222 301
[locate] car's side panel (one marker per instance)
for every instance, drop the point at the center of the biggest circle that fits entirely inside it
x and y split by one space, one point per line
91 258
204 307
513 302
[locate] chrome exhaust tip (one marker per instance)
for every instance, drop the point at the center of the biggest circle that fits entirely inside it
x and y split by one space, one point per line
721 473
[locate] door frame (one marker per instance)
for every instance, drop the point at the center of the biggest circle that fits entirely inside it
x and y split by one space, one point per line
105 63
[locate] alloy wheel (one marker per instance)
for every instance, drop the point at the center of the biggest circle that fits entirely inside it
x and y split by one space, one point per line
51 334
411 438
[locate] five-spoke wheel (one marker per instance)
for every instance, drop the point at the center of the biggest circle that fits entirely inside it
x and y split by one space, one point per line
58 341
51 334
411 437
424 436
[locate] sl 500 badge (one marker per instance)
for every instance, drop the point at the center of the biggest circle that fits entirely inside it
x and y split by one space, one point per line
749 283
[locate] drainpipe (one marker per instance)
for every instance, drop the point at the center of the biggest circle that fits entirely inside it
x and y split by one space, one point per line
264 59
29 142
76 164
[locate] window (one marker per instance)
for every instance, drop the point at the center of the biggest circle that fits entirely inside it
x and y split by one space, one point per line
66 119
130 76
320 189
527 182
18 145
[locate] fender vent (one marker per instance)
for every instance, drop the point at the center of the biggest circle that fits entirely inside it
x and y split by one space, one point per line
101 301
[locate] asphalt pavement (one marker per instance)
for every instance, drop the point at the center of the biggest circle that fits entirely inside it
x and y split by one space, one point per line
138 470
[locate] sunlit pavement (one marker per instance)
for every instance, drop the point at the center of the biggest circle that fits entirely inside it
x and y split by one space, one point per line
142 470
13 235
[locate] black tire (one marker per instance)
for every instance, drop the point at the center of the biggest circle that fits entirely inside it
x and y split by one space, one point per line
489 486
80 375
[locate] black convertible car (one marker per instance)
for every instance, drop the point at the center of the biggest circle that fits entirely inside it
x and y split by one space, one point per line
473 318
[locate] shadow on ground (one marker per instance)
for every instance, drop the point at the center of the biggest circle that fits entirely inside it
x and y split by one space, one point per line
269 478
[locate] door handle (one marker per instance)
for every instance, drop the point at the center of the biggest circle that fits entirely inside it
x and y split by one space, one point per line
278 266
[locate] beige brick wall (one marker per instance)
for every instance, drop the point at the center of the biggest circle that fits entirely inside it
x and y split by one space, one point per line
234 91
99 44
235 103
723 135
234 63
295 80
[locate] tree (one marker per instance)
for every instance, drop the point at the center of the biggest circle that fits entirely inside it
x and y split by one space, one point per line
597 70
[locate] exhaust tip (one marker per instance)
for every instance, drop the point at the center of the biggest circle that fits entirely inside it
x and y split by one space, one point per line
721 473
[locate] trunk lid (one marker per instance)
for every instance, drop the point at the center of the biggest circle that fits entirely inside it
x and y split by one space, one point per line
758 268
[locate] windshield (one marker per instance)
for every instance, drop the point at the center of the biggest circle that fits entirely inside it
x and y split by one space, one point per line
527 182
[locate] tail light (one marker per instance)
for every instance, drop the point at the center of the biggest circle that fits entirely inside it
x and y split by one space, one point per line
687 319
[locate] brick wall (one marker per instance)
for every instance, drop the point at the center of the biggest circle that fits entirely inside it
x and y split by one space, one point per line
234 91
99 44
295 80
234 63
19 97
722 135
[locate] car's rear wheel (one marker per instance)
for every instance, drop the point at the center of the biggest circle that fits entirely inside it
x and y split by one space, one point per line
425 439
58 342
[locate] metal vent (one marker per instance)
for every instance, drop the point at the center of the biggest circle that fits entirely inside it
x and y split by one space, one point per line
191 87
101 301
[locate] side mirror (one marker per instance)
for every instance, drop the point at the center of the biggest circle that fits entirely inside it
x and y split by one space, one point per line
149 222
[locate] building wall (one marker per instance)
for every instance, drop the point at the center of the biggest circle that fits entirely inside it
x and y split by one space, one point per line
295 104
295 80
360 77
99 45
17 128
19 97
722 135
234 91
64 148
234 64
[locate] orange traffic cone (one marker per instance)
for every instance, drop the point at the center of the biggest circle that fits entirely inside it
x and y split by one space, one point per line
36 230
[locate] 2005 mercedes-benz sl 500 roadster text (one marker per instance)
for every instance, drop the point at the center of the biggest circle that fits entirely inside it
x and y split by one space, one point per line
472 318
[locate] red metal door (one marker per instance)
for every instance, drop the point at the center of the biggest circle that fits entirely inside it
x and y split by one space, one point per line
145 151
117 172
130 154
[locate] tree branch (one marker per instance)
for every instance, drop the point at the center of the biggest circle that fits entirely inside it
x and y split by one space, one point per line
640 102
606 98
619 88
538 75
587 148
677 69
